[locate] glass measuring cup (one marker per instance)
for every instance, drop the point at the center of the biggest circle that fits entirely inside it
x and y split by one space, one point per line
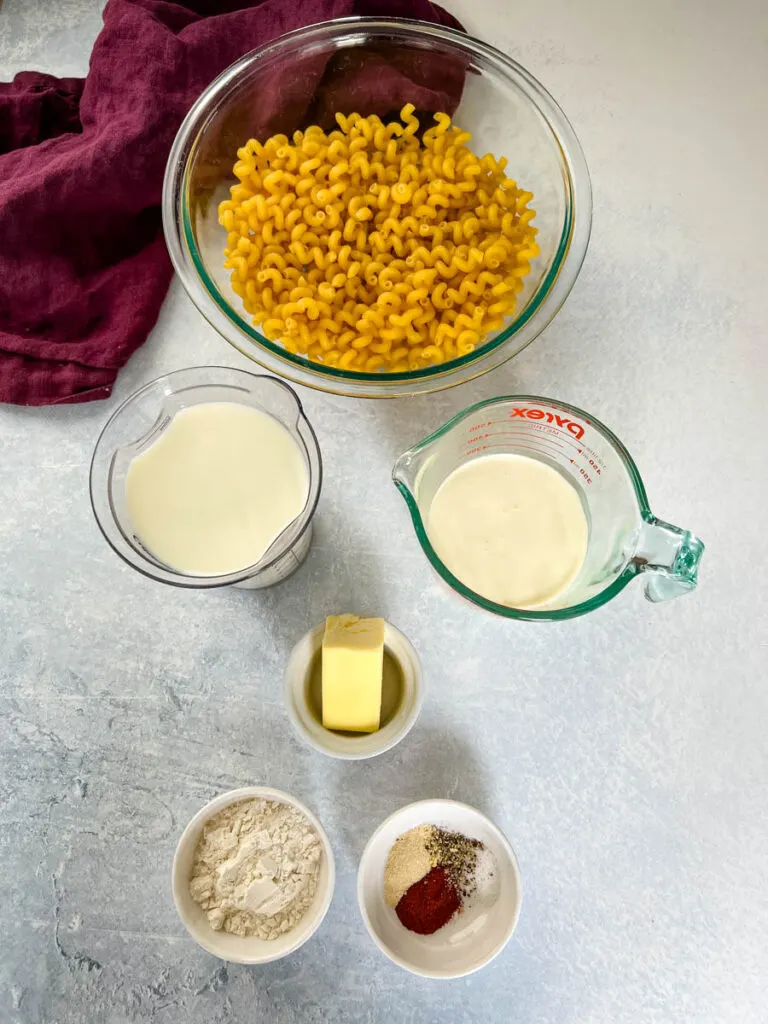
138 423
625 538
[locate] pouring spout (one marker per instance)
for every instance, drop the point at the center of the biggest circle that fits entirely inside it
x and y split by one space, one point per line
670 558
406 470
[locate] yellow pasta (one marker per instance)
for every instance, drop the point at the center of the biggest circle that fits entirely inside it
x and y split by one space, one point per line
370 249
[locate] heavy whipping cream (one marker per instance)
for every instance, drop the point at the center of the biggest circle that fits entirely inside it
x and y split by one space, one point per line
509 527
216 488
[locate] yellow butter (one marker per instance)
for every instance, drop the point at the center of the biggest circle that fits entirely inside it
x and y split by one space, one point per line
353 654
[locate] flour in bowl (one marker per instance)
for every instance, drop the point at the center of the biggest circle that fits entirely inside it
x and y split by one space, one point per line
256 868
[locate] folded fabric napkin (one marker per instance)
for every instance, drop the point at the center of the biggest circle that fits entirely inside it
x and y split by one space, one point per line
83 263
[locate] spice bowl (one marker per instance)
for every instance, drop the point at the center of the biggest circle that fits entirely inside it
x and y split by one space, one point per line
478 933
303 702
247 949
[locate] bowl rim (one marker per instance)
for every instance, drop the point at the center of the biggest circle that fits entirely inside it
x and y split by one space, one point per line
313 639
538 312
218 803
513 864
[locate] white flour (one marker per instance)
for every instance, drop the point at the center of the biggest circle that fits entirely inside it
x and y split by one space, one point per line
255 868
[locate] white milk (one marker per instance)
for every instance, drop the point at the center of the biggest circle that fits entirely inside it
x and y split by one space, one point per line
217 487
510 528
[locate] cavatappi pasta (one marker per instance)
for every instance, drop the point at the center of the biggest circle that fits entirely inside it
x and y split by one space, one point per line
369 249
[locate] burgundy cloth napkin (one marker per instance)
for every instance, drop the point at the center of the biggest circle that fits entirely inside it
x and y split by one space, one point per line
83 263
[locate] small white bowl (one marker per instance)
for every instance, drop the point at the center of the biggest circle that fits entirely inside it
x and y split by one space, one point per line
235 948
471 940
366 744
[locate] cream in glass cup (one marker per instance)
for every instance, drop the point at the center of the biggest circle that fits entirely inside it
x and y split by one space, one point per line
147 418
625 539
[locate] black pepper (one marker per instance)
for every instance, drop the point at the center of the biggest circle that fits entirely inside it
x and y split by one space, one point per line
457 853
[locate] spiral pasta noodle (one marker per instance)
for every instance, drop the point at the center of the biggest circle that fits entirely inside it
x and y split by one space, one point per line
370 249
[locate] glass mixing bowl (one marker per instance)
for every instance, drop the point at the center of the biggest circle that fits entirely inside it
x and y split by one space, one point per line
276 89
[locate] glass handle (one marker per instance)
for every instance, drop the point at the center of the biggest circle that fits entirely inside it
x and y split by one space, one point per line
670 557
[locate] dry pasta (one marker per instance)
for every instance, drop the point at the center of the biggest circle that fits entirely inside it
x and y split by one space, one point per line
370 249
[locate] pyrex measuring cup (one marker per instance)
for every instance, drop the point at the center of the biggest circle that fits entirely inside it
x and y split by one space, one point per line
139 422
625 538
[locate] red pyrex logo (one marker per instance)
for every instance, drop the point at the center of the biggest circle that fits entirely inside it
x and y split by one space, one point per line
562 421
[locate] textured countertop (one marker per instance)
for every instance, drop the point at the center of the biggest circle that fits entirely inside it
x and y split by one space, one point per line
624 753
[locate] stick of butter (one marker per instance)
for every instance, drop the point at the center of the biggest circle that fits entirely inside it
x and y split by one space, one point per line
353 657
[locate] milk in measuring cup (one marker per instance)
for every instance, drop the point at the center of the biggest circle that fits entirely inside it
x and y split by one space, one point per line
511 528
216 489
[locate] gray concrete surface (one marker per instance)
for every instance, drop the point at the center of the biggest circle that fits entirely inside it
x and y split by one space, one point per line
623 753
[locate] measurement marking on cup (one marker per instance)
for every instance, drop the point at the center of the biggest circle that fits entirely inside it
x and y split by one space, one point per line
541 423
488 423
510 433
543 428
544 434
582 472
594 458
528 447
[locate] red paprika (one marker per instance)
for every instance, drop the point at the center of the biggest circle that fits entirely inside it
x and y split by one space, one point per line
429 904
